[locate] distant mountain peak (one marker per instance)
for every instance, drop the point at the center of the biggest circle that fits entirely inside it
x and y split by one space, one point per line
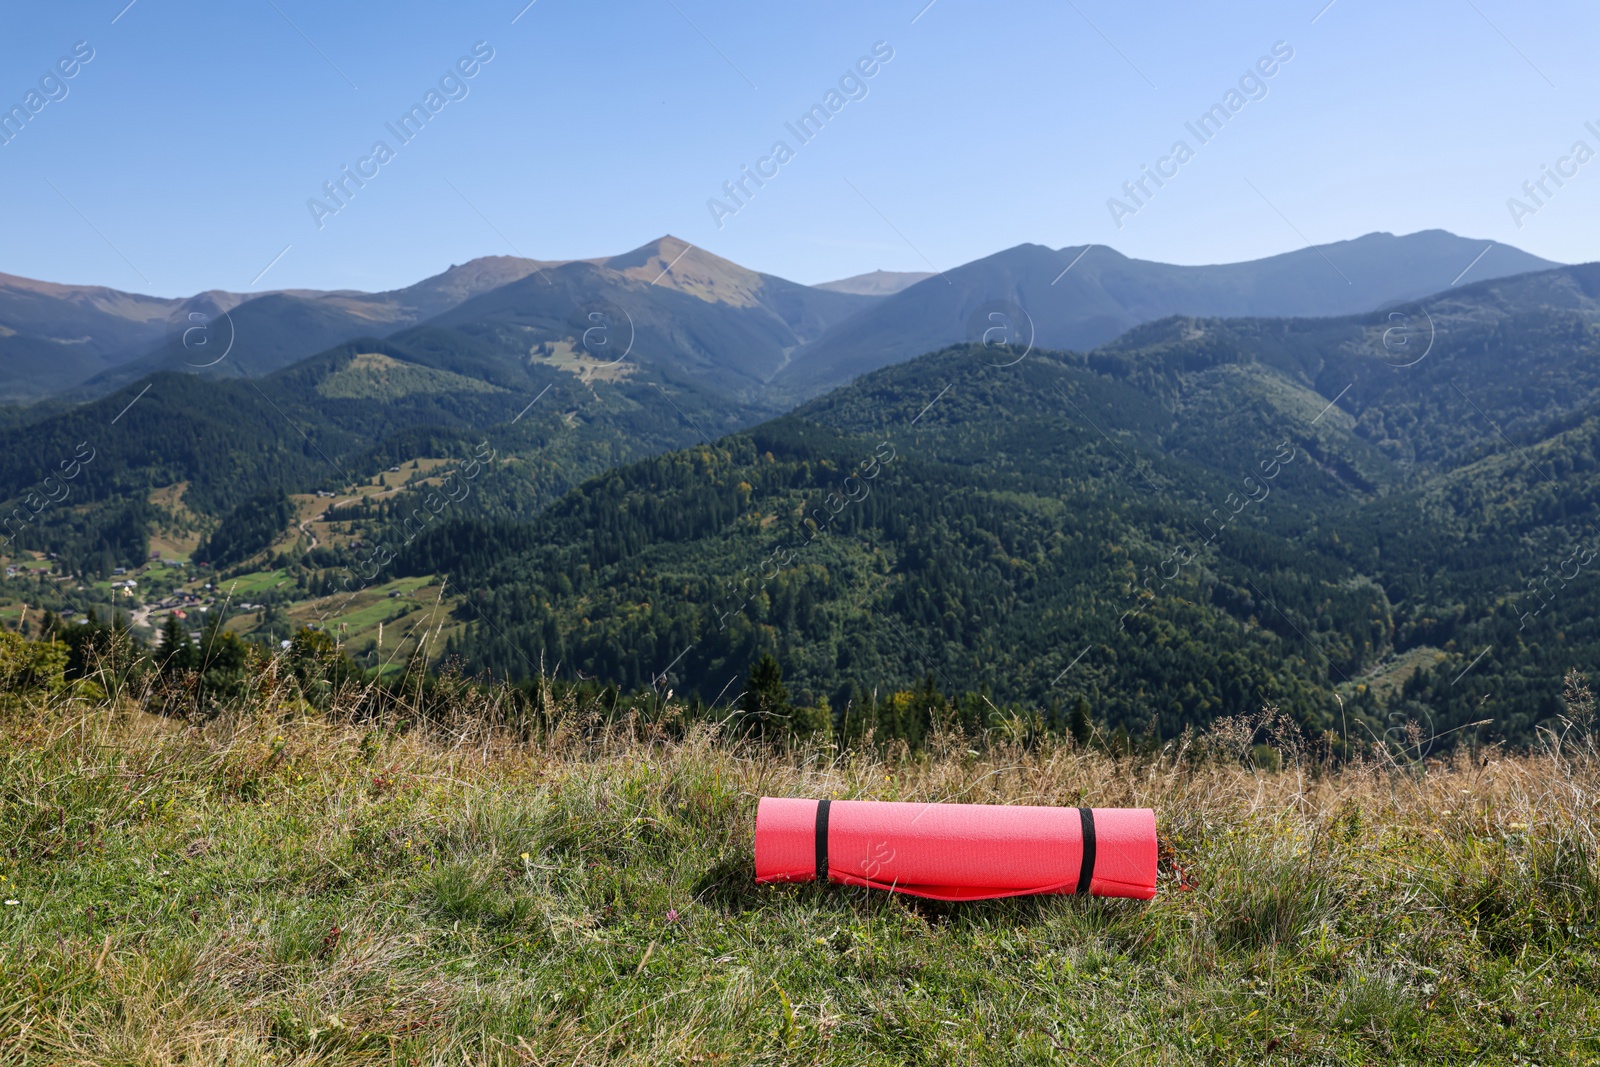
876 283
676 264
458 283
664 248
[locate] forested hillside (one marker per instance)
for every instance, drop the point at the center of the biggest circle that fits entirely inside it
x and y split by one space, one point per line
348 413
1365 520
1177 526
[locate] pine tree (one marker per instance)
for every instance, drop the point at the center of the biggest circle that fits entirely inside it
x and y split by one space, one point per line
1080 726
174 645
766 698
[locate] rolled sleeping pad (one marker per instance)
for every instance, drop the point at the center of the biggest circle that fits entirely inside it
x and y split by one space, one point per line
958 851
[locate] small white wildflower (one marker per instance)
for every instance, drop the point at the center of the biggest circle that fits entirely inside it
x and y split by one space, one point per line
9 903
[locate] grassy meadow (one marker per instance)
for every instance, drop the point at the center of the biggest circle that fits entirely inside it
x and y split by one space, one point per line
277 886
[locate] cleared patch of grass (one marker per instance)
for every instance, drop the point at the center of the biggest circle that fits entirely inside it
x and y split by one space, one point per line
269 888
248 585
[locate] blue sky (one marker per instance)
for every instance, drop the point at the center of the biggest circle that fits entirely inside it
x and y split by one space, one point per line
182 156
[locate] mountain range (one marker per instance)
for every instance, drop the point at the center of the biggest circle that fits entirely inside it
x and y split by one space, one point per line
1085 296
1327 480
769 341
1202 517
590 363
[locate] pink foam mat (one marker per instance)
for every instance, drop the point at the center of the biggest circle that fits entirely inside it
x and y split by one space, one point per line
958 851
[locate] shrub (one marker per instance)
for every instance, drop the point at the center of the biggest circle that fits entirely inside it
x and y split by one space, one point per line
31 666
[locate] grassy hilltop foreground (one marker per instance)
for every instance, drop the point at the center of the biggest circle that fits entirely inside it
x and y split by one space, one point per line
281 886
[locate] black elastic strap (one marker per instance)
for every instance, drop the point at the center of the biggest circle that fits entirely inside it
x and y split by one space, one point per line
822 840
1086 868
